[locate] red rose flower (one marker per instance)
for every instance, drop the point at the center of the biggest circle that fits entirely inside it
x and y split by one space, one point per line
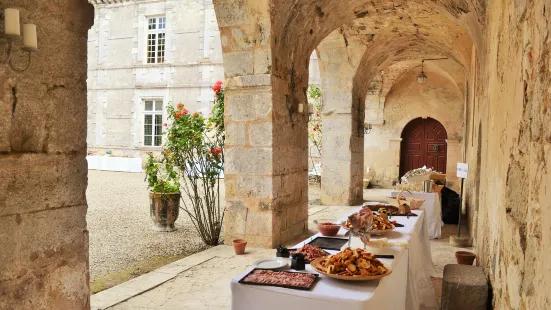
177 115
165 124
314 129
184 112
217 86
317 113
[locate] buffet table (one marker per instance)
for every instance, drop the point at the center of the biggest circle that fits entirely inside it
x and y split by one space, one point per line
407 287
433 209
112 163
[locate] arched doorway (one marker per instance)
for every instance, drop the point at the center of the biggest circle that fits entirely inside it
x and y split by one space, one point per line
423 144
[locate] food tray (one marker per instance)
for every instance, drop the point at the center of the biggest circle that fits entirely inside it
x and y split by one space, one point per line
317 267
329 243
305 260
412 214
242 281
380 232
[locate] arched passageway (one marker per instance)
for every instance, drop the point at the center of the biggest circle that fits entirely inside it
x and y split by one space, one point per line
423 144
266 82
267 45
502 46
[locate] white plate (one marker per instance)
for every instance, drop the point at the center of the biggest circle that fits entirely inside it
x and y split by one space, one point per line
270 263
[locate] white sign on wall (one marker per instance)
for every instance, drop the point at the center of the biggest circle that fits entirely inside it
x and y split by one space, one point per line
462 170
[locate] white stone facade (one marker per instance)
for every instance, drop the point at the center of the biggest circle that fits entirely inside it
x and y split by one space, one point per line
120 79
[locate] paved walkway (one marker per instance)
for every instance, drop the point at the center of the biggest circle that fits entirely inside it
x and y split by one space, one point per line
201 281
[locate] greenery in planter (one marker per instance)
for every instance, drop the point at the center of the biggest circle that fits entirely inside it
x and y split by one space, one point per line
160 174
196 146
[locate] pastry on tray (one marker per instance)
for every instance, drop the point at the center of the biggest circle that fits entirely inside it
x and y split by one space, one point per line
355 262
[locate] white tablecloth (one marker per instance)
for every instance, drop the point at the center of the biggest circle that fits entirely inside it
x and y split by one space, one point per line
408 287
433 208
109 163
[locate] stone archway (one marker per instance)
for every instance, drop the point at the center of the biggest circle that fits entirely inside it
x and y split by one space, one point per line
423 144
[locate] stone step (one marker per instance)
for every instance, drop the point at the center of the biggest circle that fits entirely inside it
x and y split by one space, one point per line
464 287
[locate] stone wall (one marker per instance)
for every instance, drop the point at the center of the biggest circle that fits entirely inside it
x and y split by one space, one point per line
510 134
440 98
43 236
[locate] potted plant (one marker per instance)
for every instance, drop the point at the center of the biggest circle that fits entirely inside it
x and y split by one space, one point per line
164 191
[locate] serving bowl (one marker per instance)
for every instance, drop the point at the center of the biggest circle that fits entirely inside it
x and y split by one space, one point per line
328 228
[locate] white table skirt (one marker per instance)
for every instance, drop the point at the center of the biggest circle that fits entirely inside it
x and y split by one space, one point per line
329 294
408 287
433 208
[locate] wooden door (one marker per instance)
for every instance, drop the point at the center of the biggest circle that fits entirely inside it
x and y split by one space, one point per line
423 144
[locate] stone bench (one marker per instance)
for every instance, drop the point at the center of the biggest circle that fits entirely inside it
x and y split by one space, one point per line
464 287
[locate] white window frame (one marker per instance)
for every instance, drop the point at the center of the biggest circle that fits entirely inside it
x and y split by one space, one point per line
160 29
153 112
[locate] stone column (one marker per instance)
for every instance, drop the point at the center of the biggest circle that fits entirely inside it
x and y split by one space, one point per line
342 140
266 155
43 172
454 155
395 149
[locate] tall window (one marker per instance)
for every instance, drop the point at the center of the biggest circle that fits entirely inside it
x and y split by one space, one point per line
156 40
153 123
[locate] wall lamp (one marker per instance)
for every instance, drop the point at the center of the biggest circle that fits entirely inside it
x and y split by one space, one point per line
294 114
367 128
12 33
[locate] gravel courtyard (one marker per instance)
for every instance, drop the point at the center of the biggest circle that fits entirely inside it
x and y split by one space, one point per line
120 226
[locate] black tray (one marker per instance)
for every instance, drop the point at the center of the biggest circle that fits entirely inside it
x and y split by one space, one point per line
329 243
413 214
305 260
384 256
242 281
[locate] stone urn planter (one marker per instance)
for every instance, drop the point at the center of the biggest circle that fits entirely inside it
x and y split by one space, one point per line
164 209
464 257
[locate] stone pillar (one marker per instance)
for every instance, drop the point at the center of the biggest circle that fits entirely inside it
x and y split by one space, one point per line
454 155
395 149
266 155
43 171
342 118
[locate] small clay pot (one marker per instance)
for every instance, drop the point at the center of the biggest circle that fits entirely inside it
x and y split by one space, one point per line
239 246
464 258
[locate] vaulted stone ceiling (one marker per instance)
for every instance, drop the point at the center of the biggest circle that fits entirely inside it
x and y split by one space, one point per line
426 23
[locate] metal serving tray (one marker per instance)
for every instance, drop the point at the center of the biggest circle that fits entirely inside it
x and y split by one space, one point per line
328 243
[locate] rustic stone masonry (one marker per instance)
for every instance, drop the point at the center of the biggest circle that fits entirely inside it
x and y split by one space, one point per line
503 50
43 172
502 46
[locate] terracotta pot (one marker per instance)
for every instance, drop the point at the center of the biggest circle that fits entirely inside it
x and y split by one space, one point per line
464 258
239 246
164 209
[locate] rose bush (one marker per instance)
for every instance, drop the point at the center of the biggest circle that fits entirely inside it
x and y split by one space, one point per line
196 147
